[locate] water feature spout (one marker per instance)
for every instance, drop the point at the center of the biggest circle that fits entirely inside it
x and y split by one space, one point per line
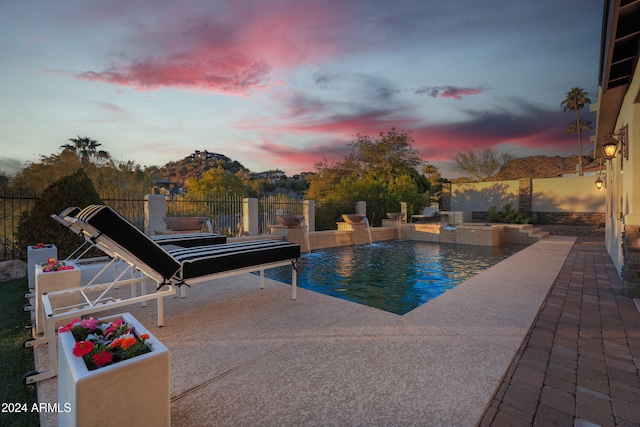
305 232
366 222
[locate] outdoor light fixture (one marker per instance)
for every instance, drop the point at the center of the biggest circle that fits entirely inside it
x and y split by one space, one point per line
599 183
610 147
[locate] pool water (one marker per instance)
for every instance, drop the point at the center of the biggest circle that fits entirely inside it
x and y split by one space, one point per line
395 276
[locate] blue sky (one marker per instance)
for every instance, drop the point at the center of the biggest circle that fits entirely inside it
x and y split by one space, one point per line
288 83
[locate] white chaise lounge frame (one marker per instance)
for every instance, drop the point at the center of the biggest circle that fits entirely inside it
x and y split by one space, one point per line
102 302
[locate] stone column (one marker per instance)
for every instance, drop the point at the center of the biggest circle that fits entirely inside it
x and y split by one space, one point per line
361 208
631 261
445 199
524 196
309 213
250 221
155 211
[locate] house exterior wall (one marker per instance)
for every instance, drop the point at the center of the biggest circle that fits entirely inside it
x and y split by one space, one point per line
623 192
570 194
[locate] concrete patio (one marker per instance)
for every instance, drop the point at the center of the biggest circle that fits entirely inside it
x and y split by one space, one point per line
245 356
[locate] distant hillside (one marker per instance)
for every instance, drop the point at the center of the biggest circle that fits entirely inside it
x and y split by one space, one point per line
540 167
194 165
522 167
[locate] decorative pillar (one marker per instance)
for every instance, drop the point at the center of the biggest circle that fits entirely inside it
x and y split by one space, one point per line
524 195
250 222
630 273
445 198
155 211
309 213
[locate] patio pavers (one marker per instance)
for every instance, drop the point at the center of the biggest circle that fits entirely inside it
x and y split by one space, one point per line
579 364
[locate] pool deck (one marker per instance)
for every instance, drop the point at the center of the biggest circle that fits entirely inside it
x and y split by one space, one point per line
241 356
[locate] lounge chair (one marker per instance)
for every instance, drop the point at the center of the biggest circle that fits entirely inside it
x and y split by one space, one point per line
169 267
185 240
427 213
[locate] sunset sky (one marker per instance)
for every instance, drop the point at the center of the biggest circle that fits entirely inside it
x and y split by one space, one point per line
287 83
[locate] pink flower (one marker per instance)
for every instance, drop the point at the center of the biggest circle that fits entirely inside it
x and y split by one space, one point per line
68 326
82 347
90 323
102 358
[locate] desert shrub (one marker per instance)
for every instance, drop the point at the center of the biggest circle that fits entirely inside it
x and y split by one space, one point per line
510 216
37 225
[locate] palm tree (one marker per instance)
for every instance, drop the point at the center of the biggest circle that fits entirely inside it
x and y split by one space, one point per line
576 99
86 149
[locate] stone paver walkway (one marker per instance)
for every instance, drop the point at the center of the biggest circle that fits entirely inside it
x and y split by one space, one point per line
580 364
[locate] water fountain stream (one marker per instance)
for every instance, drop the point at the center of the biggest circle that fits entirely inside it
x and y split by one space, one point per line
366 222
305 232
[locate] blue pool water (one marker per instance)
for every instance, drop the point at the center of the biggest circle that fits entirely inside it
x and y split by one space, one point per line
396 276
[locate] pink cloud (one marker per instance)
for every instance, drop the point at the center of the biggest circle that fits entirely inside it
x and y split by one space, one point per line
301 159
233 51
452 92
228 75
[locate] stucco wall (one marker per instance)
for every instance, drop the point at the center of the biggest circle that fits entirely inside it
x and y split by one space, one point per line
570 194
480 196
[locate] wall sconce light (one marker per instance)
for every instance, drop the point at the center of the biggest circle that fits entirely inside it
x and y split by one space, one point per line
610 146
599 183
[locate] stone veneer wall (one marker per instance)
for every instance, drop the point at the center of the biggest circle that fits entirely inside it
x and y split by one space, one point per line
524 196
561 218
631 254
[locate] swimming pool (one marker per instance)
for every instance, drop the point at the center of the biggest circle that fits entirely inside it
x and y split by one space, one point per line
395 276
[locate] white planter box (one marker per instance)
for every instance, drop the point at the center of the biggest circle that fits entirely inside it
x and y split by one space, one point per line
134 392
55 281
38 256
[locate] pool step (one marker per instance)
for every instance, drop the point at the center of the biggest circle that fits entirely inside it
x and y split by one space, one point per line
528 234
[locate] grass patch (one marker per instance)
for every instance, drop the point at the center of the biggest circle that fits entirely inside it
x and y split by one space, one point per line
15 361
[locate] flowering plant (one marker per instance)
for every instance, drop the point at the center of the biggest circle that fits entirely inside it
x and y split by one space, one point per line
41 246
53 264
101 343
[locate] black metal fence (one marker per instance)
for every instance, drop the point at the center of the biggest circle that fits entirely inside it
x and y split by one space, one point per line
13 203
16 202
224 212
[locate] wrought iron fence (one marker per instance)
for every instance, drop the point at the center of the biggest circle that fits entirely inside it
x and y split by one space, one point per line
14 202
269 207
129 205
224 212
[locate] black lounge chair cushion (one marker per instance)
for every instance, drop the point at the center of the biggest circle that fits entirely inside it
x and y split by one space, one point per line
190 240
119 230
192 261
206 260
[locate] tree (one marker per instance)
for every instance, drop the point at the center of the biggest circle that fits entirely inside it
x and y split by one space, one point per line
391 154
36 225
215 181
108 176
87 150
481 165
384 158
576 99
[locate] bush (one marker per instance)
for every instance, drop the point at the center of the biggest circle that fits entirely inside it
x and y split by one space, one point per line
510 216
37 226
